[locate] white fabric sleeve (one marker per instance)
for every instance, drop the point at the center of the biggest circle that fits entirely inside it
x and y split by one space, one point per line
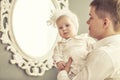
57 56
98 67
62 75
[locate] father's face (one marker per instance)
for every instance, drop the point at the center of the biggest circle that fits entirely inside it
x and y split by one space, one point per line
95 25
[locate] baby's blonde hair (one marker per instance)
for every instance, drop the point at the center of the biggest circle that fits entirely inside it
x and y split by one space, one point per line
65 12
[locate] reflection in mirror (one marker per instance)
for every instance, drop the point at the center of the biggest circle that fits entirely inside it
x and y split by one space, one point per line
24 29
32 33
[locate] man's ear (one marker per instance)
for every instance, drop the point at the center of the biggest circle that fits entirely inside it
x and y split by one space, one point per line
106 22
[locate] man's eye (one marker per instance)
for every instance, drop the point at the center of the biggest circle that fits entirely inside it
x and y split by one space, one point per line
90 18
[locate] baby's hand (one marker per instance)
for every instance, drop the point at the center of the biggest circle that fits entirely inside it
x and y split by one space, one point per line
61 65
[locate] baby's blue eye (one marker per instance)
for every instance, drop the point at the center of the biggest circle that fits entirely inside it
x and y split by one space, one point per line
60 27
67 25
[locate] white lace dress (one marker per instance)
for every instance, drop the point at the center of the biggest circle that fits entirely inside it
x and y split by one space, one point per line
77 48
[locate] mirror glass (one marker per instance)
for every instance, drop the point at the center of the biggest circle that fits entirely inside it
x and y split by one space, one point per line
33 34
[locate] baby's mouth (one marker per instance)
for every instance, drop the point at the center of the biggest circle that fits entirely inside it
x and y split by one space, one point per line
65 33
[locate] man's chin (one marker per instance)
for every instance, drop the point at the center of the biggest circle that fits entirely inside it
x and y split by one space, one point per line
91 35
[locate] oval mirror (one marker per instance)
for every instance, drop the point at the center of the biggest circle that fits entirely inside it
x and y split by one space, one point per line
32 32
27 33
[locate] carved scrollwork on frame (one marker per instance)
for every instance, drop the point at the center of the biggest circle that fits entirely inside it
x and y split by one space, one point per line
33 67
61 4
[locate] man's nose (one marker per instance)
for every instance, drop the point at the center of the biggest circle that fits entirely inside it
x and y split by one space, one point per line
88 21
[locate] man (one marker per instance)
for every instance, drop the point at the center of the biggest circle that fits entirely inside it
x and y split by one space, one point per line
103 63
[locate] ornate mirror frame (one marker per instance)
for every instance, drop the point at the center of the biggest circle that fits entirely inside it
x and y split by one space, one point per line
33 67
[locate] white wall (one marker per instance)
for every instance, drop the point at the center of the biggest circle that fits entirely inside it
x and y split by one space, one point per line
81 8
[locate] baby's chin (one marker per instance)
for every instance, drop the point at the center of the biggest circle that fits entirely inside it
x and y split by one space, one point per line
66 37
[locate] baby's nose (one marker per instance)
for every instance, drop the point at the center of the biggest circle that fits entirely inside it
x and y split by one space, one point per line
64 28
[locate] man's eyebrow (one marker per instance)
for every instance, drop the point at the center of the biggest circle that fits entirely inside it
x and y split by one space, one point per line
89 14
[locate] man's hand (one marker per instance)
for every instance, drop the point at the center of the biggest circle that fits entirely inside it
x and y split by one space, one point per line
68 64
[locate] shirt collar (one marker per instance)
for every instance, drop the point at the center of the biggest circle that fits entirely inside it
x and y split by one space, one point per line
107 40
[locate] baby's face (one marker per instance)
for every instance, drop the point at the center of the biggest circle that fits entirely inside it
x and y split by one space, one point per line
66 27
